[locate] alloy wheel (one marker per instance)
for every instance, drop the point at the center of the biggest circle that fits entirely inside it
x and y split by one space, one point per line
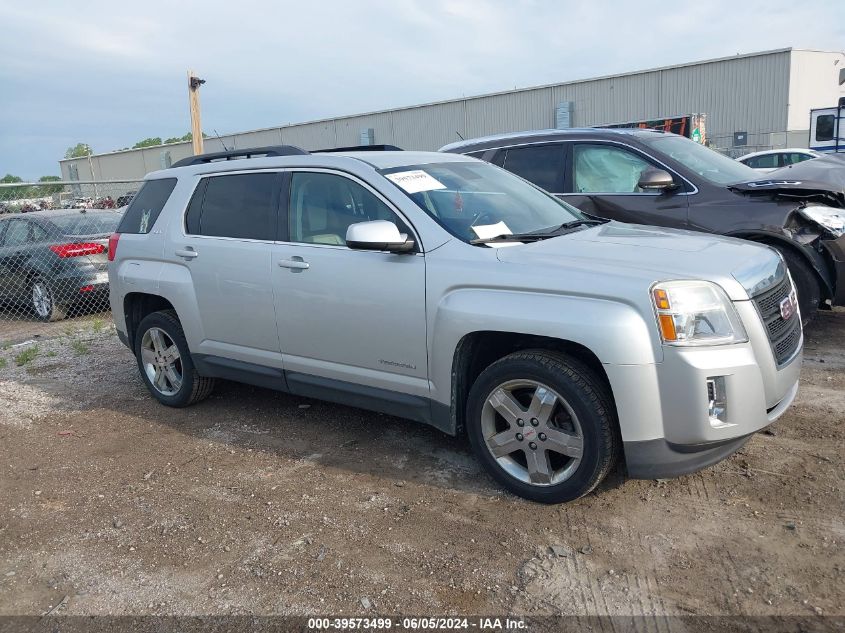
532 432
161 361
42 299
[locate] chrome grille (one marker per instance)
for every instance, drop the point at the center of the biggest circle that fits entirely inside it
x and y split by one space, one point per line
784 334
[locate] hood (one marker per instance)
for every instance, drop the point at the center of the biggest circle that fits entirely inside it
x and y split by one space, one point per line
817 180
650 254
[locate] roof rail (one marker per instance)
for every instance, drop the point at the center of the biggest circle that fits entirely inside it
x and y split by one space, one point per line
360 148
274 150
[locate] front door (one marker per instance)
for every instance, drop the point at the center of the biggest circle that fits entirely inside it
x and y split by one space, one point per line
602 180
351 323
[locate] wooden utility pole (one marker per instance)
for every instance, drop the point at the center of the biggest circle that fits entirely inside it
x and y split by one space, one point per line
194 84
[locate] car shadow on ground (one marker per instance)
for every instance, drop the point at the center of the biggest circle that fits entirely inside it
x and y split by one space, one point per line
333 436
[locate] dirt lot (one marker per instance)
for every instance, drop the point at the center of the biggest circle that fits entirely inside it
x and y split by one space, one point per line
258 502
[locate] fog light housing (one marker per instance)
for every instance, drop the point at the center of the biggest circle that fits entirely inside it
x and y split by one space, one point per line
717 401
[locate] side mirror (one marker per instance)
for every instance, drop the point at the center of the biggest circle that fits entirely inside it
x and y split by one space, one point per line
653 179
378 235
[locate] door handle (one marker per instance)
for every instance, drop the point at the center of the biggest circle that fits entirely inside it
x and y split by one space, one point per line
294 263
187 253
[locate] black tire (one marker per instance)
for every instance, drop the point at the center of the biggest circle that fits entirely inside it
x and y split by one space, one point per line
587 395
806 283
193 387
42 301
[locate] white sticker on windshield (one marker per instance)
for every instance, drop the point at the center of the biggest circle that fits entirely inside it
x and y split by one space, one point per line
415 181
486 231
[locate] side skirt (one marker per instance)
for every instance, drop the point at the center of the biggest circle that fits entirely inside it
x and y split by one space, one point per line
401 405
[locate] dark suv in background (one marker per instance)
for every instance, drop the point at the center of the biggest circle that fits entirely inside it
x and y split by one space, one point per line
649 177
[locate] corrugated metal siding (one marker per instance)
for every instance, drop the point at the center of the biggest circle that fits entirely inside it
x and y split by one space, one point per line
747 93
429 127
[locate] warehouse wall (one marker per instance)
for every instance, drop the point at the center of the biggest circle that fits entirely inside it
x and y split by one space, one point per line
744 93
814 84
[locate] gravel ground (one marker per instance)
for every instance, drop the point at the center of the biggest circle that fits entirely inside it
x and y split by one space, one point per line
256 502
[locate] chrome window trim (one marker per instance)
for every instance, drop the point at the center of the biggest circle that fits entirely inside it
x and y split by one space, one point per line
282 170
605 142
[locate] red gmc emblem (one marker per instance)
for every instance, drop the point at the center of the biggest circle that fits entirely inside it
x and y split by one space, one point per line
787 308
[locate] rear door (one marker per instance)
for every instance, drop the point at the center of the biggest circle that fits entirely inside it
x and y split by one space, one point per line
227 244
601 179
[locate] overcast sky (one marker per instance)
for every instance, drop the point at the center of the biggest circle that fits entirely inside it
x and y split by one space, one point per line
110 74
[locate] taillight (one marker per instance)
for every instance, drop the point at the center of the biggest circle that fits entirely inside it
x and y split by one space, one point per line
113 238
77 249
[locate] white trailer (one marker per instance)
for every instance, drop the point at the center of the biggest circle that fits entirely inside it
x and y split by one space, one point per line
827 128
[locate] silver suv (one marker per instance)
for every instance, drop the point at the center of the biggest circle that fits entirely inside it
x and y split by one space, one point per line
443 289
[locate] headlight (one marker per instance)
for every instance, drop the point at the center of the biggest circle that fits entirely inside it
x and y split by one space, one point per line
696 313
831 219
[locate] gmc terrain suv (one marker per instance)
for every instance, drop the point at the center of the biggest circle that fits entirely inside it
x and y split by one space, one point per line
443 289
651 177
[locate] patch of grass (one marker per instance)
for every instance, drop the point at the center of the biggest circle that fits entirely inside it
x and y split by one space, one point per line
80 347
3 363
6 346
51 353
69 330
26 356
97 325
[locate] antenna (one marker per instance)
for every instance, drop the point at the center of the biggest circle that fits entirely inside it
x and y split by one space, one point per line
459 135
221 141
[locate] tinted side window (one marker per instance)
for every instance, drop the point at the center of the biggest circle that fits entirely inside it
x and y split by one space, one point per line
243 206
767 161
146 206
824 127
607 169
17 233
540 164
322 206
795 157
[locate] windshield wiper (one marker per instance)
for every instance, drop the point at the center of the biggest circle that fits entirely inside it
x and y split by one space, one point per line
537 236
513 237
566 226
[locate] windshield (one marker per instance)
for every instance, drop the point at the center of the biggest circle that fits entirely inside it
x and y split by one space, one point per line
89 223
478 200
707 163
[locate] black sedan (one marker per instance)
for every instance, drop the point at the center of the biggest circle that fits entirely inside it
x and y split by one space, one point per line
52 260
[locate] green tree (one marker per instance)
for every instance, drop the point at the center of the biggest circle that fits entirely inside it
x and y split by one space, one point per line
182 139
12 193
79 150
47 190
148 142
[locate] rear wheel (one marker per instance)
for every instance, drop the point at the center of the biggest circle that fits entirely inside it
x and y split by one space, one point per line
43 302
543 425
806 284
164 361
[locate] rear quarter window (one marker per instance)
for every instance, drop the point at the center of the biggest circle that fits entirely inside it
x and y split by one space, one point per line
146 206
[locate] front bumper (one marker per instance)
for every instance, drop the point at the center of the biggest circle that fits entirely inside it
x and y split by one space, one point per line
663 408
660 459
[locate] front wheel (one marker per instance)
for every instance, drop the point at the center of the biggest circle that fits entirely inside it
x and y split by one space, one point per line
165 361
543 425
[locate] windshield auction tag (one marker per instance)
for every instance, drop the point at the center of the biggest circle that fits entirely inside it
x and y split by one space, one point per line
486 231
415 181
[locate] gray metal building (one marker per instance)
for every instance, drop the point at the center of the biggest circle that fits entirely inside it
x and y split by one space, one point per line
766 96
